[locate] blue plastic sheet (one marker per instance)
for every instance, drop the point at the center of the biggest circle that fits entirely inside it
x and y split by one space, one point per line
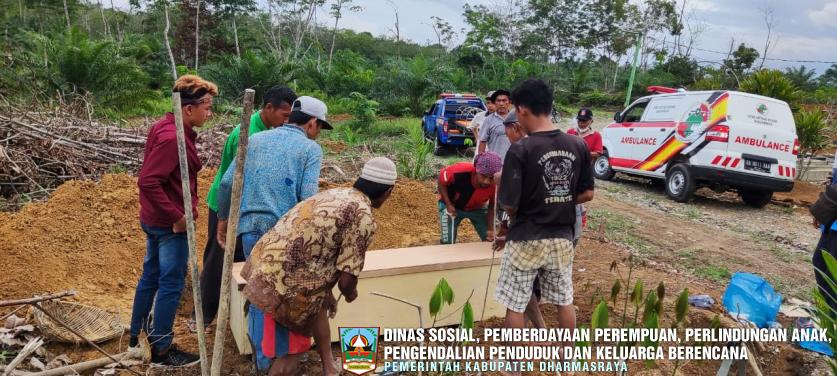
750 297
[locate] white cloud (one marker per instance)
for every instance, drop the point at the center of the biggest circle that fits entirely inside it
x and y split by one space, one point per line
703 5
824 16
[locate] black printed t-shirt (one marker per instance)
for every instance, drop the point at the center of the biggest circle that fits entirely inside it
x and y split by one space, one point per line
543 175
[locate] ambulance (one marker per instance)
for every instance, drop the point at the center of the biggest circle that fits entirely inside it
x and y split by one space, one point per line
724 140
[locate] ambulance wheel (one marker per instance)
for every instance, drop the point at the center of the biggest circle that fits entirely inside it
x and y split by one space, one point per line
756 199
601 168
680 185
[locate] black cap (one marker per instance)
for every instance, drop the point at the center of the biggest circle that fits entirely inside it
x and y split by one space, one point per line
585 114
499 92
510 119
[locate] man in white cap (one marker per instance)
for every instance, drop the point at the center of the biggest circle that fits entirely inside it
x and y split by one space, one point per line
293 269
282 168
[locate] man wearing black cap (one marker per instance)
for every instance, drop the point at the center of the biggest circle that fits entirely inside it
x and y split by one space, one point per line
593 139
493 132
584 129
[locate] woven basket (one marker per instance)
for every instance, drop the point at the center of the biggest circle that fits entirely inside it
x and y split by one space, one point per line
93 323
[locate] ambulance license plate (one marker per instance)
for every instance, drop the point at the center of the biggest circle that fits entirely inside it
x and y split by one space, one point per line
759 166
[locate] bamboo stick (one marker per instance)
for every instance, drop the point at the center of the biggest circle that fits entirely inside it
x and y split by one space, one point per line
232 228
80 367
36 299
190 229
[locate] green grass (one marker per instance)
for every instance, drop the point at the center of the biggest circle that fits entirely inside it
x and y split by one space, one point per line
692 213
718 274
615 188
620 229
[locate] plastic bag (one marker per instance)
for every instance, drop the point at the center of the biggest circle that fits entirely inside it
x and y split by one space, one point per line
750 297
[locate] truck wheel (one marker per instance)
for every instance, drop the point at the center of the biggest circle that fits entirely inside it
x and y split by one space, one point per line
756 199
680 185
438 149
601 168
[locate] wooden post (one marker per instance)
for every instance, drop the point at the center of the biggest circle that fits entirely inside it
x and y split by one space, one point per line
232 229
190 229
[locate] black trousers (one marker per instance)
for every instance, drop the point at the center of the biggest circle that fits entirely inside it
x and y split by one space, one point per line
213 267
827 243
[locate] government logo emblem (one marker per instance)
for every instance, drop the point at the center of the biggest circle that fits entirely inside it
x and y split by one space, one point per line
360 348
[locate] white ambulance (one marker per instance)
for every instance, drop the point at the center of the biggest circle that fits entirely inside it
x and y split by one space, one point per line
725 140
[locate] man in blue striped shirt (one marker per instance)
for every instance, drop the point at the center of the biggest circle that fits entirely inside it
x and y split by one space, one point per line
282 169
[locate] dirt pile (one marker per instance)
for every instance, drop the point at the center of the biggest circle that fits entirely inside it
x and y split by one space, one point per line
411 218
87 237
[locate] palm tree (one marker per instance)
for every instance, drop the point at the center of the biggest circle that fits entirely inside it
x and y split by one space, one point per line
802 77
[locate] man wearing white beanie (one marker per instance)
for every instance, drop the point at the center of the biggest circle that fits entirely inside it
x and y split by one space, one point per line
294 267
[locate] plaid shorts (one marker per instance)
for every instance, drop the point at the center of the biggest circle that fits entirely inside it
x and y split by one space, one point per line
551 260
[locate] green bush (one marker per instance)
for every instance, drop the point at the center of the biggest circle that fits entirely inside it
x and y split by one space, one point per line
773 84
364 111
597 98
254 70
813 131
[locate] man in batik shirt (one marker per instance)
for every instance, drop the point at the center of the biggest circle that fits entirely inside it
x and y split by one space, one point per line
292 270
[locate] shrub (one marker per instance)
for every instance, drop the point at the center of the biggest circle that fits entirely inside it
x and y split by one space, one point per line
813 130
364 111
773 84
254 70
598 98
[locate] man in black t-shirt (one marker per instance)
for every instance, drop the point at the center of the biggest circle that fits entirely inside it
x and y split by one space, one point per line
544 176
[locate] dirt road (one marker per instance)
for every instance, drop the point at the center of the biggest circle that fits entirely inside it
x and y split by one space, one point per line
711 237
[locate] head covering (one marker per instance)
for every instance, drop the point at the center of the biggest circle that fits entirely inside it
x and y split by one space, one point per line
379 170
489 94
510 119
584 114
312 107
488 163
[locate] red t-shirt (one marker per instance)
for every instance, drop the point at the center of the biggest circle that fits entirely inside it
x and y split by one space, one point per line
460 180
593 140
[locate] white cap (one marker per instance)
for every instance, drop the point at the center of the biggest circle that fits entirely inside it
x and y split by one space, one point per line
313 107
380 170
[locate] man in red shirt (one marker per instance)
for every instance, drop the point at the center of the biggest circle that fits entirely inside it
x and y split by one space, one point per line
585 130
593 139
467 190
162 219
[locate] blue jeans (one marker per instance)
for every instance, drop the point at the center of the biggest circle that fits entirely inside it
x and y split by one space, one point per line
160 286
255 316
833 176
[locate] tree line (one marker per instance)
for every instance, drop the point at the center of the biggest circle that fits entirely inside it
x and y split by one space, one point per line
123 61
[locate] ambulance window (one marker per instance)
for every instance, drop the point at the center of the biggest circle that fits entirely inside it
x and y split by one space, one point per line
634 114
432 110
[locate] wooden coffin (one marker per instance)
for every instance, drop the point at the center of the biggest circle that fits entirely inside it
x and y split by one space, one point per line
409 274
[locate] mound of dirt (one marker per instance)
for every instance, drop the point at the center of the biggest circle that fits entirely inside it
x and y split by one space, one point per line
410 217
87 237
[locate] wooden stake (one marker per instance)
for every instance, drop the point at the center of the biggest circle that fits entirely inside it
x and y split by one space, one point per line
190 229
232 229
36 299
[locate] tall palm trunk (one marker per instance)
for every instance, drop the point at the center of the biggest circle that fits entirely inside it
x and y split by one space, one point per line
235 35
67 15
197 33
168 44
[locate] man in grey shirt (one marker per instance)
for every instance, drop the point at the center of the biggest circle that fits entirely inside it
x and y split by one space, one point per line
492 133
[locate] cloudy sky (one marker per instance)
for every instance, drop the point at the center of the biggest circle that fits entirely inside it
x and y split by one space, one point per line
805 29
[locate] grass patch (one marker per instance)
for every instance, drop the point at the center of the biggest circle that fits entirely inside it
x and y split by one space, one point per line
781 253
398 127
715 273
692 213
620 229
615 188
